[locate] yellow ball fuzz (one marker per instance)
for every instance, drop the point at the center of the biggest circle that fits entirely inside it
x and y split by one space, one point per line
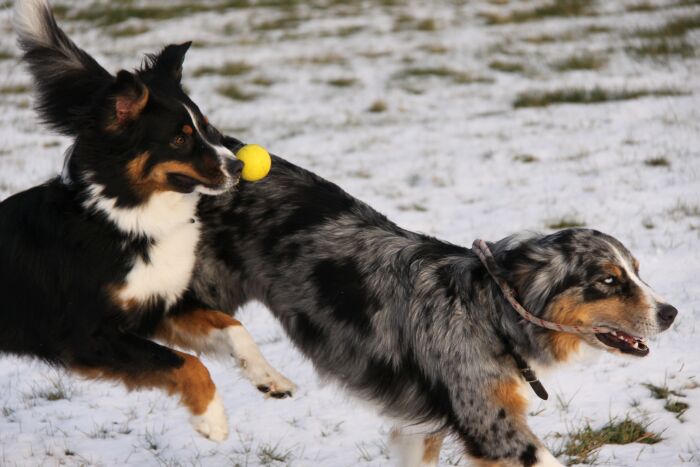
256 162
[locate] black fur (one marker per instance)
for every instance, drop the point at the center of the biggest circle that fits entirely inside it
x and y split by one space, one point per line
62 255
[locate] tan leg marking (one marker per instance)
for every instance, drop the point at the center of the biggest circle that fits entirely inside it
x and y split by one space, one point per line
431 448
508 394
214 332
191 382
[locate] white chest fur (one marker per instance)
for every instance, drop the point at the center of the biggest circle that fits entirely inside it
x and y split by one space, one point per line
168 271
169 220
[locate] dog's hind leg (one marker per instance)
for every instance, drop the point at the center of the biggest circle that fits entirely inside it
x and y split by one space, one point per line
140 364
213 332
417 449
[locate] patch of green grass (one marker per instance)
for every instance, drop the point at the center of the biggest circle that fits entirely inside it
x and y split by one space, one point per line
581 61
227 69
291 21
110 13
378 106
437 49
346 31
409 23
661 392
676 27
586 96
234 92
566 222
526 158
5 55
662 49
507 67
14 89
269 454
262 81
556 8
658 162
129 31
457 76
642 7
677 407
324 59
582 444
342 82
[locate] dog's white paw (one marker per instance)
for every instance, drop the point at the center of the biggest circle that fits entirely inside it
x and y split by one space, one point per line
546 459
213 423
273 384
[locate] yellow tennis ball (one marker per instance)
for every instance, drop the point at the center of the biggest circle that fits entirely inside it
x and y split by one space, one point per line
256 162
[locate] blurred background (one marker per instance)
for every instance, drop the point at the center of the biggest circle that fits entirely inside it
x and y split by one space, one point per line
460 119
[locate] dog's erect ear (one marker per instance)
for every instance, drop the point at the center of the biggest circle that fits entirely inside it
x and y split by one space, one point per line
129 97
169 62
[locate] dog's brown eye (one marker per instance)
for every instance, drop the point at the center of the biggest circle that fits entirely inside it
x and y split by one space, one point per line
179 140
610 280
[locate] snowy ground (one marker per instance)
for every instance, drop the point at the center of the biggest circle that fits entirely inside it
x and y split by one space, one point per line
412 109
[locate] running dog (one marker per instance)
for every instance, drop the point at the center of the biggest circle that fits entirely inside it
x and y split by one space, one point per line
414 324
95 263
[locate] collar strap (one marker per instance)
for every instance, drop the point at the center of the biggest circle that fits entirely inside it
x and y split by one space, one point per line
481 249
526 372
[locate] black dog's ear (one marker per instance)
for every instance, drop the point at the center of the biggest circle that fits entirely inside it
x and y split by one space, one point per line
169 61
128 97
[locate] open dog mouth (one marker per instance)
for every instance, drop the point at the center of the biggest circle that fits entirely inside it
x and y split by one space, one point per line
186 183
625 343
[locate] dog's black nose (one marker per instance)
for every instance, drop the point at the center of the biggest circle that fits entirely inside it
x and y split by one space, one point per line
234 167
667 314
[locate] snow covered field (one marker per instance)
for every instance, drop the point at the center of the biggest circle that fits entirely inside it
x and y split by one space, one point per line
461 119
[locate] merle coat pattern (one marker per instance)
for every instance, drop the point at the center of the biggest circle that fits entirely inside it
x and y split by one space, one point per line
409 322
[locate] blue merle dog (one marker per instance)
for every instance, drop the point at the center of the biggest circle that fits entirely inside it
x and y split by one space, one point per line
415 324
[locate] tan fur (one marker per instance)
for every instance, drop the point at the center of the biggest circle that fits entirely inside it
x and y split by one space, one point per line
431 448
564 345
569 308
156 180
187 330
613 269
191 381
508 395
187 129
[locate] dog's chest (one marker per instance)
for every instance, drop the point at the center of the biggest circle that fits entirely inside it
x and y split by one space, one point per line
166 272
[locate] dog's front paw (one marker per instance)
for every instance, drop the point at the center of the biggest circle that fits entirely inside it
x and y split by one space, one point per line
213 423
273 384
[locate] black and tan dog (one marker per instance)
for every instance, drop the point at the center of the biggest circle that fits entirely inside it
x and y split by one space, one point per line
94 263
414 324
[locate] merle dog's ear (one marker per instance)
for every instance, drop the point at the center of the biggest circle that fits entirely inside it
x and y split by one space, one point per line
169 62
128 97
231 143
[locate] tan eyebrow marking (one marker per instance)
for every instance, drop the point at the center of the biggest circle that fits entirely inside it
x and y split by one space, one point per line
206 120
613 270
187 130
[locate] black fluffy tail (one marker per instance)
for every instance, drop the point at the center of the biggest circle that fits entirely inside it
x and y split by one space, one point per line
67 79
